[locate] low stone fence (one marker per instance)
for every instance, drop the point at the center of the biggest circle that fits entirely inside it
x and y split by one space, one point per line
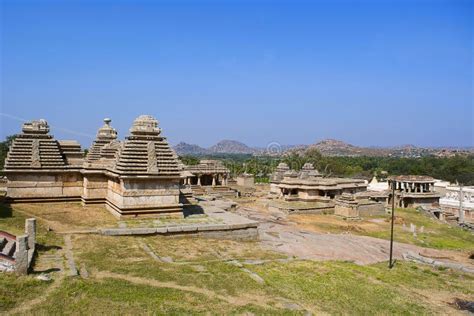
24 247
237 231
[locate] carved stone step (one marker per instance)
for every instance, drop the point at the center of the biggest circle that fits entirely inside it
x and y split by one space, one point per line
9 249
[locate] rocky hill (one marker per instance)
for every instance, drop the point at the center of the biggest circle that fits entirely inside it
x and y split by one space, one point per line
327 147
231 147
190 149
222 147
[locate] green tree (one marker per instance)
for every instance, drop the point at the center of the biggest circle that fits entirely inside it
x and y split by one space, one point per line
4 147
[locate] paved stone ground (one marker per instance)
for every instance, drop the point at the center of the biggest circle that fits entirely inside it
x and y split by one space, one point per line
278 233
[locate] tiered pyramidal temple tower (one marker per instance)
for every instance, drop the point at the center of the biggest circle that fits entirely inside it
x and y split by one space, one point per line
137 177
39 168
145 179
100 157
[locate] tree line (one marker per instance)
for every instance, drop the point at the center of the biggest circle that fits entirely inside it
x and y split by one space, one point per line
459 168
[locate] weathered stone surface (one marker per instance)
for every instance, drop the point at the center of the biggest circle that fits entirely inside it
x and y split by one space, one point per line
30 230
174 229
21 255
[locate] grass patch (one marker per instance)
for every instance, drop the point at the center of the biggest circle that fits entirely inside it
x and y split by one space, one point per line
435 234
336 287
111 296
16 290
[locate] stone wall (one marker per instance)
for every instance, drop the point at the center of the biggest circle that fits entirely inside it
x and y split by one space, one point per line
142 197
95 188
44 186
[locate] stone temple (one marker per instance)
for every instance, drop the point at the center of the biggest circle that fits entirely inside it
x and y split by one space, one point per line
139 176
309 185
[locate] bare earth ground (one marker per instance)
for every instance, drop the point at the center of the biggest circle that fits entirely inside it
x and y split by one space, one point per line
308 237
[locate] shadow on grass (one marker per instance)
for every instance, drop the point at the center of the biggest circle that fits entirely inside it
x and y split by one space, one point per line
189 210
5 210
41 247
50 270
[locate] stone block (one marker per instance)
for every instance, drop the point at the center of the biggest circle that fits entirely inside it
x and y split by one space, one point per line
161 230
174 229
21 255
190 228
30 230
212 227
142 231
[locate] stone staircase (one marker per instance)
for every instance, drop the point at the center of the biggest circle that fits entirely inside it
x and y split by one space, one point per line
223 191
7 246
450 216
198 190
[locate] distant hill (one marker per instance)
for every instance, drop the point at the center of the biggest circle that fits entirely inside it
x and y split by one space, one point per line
190 149
332 147
231 147
222 147
327 147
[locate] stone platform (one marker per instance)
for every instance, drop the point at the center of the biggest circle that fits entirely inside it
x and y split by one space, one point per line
296 207
208 219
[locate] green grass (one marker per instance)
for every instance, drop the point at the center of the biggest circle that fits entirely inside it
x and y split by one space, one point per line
436 234
16 290
111 296
336 287
14 223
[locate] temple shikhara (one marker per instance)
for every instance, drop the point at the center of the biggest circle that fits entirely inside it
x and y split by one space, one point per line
139 176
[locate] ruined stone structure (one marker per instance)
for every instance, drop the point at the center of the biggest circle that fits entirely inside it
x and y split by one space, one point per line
309 185
137 177
17 252
246 180
355 206
413 191
207 172
459 201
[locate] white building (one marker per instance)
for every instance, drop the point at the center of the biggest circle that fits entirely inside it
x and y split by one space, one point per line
451 202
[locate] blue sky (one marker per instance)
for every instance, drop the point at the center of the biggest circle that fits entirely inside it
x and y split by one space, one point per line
367 72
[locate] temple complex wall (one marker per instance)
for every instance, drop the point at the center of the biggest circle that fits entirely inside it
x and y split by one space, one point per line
95 188
44 186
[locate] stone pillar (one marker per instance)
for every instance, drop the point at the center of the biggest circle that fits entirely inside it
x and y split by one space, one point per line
21 255
422 187
199 180
213 180
461 208
30 230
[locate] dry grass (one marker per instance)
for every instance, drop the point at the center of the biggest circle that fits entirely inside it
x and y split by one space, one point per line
68 216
